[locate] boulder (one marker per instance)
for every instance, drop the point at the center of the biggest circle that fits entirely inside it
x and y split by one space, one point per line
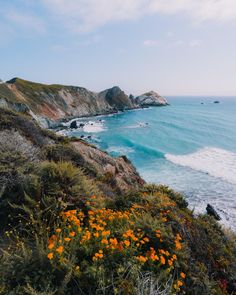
212 212
151 98
73 125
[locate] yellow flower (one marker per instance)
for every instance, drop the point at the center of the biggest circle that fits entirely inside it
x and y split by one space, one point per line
170 262
176 287
51 246
104 241
174 257
50 256
58 230
98 255
141 259
106 233
96 234
67 239
59 250
179 283
163 261
72 234
183 275
127 243
114 241
178 245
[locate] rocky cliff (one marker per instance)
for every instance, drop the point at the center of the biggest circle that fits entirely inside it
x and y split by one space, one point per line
23 141
49 104
151 98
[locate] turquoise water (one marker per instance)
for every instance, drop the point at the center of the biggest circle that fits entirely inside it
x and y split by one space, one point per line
188 145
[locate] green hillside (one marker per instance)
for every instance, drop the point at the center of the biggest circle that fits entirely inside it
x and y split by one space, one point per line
67 227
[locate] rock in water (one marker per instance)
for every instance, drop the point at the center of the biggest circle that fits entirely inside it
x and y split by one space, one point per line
73 125
151 98
211 211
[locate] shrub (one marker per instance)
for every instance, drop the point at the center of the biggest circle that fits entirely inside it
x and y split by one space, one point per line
64 180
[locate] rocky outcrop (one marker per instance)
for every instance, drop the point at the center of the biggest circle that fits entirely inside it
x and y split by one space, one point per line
119 171
51 104
116 98
212 212
151 98
22 138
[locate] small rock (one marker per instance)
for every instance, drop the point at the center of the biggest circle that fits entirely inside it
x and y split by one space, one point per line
81 125
212 212
73 125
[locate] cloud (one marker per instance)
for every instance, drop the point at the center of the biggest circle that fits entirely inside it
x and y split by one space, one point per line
87 15
150 43
23 19
195 43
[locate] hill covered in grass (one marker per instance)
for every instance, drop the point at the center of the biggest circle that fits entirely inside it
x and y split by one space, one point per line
76 221
49 104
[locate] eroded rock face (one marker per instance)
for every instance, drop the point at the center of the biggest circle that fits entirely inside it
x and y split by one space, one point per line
50 104
151 98
119 170
22 137
57 102
116 98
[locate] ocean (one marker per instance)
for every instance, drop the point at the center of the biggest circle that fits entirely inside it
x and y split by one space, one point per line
189 145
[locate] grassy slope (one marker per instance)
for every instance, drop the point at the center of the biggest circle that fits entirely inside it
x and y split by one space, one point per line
64 230
7 94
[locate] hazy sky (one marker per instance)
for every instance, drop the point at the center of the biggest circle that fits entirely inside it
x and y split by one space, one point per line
172 46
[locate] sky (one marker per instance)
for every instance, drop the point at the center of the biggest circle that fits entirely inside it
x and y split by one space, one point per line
174 47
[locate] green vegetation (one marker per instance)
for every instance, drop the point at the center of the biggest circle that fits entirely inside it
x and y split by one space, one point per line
65 229
7 94
32 86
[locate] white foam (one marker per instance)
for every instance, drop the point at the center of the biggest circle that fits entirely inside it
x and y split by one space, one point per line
214 161
92 127
62 132
139 125
120 150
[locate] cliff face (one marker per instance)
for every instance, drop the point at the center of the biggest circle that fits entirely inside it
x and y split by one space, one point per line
23 140
49 104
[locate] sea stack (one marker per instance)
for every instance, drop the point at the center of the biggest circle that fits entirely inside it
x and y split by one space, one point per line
151 98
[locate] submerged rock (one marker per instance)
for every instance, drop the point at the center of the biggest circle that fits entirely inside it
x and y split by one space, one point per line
212 212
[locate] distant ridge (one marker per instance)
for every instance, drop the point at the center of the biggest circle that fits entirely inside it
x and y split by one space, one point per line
50 104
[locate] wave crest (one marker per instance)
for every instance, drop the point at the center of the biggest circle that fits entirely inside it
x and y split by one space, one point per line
214 161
